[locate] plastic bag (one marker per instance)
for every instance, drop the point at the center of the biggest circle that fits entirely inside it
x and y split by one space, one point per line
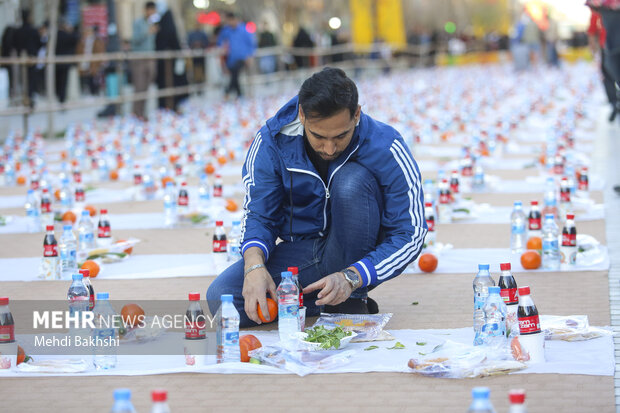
368 327
570 328
301 362
457 360
139 334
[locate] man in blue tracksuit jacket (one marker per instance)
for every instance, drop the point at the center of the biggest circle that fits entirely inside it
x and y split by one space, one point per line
342 194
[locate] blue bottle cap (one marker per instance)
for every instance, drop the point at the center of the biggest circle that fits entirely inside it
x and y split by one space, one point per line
483 266
494 290
77 277
286 274
236 222
85 213
518 203
30 191
122 394
168 184
548 216
67 227
103 296
480 392
227 298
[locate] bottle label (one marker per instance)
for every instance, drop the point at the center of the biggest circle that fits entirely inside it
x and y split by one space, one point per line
195 330
7 333
104 232
518 228
288 310
79 196
103 333
219 245
467 171
535 224
137 179
568 255
183 201
565 196
510 295
231 338
569 240
454 188
529 325
50 250
583 184
430 223
493 330
444 198
46 207
91 302
558 169
549 246
86 238
217 191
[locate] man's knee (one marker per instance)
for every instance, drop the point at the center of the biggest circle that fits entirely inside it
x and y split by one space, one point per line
351 181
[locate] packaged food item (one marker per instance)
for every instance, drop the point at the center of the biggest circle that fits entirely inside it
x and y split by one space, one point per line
301 362
571 328
368 327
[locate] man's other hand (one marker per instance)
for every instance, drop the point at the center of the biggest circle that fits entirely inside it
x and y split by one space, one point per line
334 289
256 286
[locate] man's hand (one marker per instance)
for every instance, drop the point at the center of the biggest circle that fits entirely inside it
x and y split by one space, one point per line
255 288
334 289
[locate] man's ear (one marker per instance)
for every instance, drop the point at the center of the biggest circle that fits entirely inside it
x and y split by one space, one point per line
302 117
357 113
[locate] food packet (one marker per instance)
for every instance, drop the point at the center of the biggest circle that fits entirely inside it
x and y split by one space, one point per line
570 328
368 327
457 360
301 362
139 334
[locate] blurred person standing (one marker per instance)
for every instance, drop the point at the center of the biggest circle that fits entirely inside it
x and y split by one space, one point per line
197 39
240 46
9 50
302 40
551 40
170 72
267 64
143 70
27 41
66 44
596 40
90 72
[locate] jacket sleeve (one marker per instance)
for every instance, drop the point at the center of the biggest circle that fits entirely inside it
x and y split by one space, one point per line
263 198
403 217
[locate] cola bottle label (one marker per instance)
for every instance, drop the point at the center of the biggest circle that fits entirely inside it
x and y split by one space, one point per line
569 240
104 231
219 245
79 195
195 326
467 171
217 190
454 187
583 183
183 200
50 250
430 223
558 169
565 195
529 325
534 224
510 295
34 185
7 333
46 207
444 198
137 179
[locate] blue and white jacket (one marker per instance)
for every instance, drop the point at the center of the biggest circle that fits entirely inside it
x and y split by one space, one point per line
277 160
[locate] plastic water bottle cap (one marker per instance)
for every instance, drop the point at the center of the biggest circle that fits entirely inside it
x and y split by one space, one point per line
168 184
518 203
293 270
49 227
85 213
516 396
548 216
77 276
286 274
194 296
121 394
480 392
85 272
236 223
483 266
524 291
67 227
494 290
4 300
227 298
30 191
159 395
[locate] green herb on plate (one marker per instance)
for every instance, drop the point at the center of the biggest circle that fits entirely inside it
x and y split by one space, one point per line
329 338
371 348
397 346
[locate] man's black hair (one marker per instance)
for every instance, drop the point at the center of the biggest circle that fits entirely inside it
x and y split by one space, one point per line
230 15
328 92
150 5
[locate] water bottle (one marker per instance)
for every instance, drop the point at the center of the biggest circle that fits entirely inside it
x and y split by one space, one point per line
481 285
481 402
91 291
494 328
517 229
517 401
86 236
104 229
66 195
228 331
534 220
122 402
234 242
551 196
183 200
170 202
429 215
444 209
204 194
550 245
429 191
568 250
68 252
160 404
78 297
105 333
478 181
33 213
47 214
288 307
148 183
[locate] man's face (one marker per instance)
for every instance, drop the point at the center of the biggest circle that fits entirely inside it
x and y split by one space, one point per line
329 137
149 11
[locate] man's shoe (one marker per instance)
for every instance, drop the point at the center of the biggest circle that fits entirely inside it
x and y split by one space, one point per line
373 307
350 306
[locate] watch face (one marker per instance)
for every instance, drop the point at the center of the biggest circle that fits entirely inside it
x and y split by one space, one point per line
351 277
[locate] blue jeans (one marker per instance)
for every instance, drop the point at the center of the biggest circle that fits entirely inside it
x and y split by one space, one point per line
356 206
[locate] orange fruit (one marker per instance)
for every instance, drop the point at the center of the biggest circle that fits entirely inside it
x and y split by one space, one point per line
57 194
21 180
231 155
534 243
222 160
231 205
91 210
427 262
165 180
75 162
530 260
209 169
69 216
21 355
132 314
272 306
120 164
113 175
128 250
247 343
63 155
18 166
91 266
173 158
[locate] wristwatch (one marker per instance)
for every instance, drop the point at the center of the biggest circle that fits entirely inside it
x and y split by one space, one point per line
352 278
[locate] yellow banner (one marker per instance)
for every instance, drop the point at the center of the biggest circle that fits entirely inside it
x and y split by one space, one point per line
390 24
362 31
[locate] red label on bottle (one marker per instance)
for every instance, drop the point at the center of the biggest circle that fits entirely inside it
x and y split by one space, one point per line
569 240
137 179
583 184
34 185
301 299
217 191
565 196
46 207
454 188
529 325
91 301
430 223
510 295
195 330
558 169
50 250
7 333
467 171
104 232
444 198
219 245
534 224
183 201
79 195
